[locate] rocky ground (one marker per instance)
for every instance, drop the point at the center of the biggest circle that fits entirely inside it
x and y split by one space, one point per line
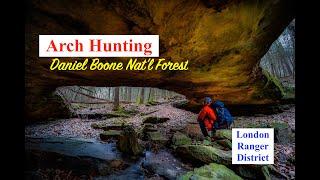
179 119
78 127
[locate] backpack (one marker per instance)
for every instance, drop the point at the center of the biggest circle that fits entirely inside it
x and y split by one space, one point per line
224 118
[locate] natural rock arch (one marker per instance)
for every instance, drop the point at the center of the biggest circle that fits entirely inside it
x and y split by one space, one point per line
223 44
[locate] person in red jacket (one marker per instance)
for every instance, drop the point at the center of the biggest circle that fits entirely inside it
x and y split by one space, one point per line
206 117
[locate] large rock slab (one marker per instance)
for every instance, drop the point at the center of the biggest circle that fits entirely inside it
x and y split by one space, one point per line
204 154
212 171
224 134
163 164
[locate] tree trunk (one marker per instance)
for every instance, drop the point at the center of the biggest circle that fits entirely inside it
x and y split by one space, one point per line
116 98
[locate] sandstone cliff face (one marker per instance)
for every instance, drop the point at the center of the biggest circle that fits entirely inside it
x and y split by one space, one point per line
223 43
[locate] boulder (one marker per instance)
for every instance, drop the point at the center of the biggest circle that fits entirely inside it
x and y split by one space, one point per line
251 171
225 143
157 138
163 164
204 154
282 133
211 171
193 131
128 142
155 120
224 134
110 134
180 139
148 127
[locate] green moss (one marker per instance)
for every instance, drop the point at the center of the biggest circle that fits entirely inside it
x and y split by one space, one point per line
224 134
265 172
279 125
205 154
157 137
124 112
209 172
225 143
289 92
180 139
270 87
128 142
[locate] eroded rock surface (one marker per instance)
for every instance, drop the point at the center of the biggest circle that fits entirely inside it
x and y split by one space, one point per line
223 44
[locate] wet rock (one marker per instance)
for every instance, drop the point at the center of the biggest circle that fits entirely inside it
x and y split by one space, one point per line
204 154
180 139
163 164
110 134
211 171
79 165
128 142
112 166
224 134
155 120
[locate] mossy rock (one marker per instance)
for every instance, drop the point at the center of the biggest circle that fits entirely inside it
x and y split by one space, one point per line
252 171
204 154
97 126
157 137
270 87
126 112
152 103
180 139
155 120
110 134
224 134
128 142
282 133
225 143
209 172
208 142
266 173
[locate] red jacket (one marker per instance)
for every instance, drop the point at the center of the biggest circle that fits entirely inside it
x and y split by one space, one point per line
208 116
